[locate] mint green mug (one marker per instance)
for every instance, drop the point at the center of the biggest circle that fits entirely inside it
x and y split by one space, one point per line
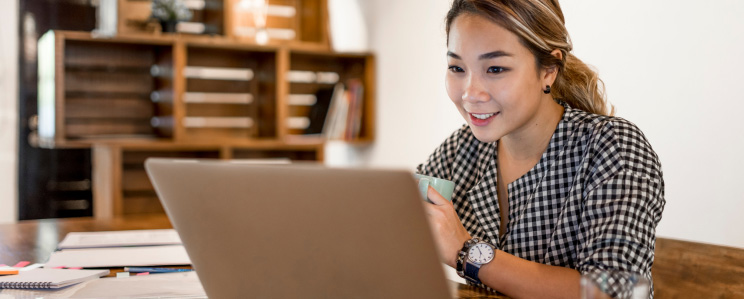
444 187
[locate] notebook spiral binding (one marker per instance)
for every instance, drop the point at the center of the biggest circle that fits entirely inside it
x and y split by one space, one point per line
25 285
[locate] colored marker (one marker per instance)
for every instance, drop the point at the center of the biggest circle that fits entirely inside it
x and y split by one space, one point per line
155 270
8 271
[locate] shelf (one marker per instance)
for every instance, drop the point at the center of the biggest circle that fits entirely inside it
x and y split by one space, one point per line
138 96
217 98
119 86
313 77
288 21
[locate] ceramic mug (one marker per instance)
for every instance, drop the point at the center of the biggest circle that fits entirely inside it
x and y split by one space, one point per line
444 187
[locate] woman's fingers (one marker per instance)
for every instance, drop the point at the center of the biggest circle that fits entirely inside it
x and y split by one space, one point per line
435 197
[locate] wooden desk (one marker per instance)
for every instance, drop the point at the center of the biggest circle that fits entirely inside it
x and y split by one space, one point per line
35 240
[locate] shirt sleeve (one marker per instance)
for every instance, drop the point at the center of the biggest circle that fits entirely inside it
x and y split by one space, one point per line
621 207
440 161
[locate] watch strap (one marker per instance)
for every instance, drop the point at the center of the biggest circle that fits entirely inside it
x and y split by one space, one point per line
462 255
471 272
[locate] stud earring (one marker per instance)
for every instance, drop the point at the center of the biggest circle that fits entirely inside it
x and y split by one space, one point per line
547 89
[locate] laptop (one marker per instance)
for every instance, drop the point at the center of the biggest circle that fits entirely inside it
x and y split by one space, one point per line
300 231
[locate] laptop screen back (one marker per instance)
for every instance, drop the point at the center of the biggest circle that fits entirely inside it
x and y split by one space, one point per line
288 231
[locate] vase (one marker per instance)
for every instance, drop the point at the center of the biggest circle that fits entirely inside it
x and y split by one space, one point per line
168 26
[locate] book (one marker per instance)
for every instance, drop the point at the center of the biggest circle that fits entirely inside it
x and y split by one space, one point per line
147 237
120 257
344 119
354 119
336 119
319 111
49 278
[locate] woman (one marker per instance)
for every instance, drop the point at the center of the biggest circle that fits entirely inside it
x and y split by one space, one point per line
547 180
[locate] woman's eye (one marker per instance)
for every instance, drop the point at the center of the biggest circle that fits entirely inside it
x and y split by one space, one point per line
496 69
455 69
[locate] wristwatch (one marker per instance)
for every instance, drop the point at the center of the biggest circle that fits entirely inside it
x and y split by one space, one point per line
478 254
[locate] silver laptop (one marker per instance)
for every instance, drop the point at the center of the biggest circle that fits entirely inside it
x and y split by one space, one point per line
300 231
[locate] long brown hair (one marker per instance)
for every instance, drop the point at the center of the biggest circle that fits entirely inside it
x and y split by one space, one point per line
540 26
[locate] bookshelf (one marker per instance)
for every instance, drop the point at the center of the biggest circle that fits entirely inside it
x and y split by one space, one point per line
142 95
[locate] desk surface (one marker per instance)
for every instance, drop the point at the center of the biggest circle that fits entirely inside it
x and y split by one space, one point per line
35 240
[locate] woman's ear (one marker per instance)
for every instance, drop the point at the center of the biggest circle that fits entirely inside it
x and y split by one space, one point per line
552 72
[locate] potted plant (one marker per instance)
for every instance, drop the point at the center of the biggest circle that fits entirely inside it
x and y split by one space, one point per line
169 13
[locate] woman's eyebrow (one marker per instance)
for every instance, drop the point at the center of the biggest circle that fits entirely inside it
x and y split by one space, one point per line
453 55
489 55
494 54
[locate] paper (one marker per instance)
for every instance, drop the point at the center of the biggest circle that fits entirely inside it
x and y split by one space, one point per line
172 285
120 257
120 238
451 274
49 278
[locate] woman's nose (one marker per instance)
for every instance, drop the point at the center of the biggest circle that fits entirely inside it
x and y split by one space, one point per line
475 91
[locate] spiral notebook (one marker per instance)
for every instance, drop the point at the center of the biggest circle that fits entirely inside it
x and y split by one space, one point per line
48 278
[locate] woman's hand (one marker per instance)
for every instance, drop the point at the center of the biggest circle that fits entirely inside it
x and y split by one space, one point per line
449 233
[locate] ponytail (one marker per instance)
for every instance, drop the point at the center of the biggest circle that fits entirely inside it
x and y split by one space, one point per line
580 87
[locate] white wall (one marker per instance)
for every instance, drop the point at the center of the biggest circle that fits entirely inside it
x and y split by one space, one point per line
672 67
414 113
8 110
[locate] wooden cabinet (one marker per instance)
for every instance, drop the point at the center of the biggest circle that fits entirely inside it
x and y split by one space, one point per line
137 96
296 21
121 186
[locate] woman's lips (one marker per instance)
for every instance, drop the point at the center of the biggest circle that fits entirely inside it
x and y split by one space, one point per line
482 119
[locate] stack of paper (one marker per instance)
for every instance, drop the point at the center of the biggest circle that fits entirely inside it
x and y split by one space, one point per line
120 238
119 257
120 249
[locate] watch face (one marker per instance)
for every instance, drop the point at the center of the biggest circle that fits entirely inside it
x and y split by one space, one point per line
480 253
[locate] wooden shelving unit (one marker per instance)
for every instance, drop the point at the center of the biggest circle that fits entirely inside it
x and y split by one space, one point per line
214 97
121 186
288 21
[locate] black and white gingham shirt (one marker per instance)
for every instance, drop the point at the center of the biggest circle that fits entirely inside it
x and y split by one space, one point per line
592 202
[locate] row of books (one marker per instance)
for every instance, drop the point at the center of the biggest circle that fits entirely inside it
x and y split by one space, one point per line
337 113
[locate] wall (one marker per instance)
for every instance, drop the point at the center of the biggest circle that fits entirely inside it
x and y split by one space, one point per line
672 70
8 110
672 67
414 113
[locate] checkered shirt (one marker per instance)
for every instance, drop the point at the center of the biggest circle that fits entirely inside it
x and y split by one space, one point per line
591 203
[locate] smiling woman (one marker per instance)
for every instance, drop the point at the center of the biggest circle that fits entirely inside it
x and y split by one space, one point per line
548 186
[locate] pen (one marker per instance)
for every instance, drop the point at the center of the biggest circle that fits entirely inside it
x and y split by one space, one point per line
155 270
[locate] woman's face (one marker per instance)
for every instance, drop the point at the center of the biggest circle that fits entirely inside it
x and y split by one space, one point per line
492 78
